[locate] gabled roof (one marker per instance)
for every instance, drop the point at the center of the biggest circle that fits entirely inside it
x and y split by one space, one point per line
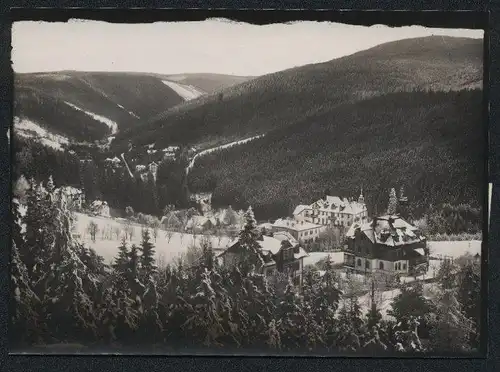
337 205
198 221
272 245
283 235
390 230
300 208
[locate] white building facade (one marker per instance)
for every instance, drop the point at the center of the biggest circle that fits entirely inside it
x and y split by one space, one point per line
304 232
332 210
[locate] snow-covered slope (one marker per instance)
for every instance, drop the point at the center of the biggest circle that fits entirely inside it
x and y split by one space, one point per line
187 92
29 129
110 123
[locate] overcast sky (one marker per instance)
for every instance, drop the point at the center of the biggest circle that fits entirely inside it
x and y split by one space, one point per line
217 46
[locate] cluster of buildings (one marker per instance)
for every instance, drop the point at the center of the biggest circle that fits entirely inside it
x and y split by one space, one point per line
387 243
145 170
74 197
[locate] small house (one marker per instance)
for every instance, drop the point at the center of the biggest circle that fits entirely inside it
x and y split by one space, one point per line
100 208
280 253
201 224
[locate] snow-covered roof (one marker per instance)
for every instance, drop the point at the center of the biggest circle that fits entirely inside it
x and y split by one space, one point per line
170 149
113 160
265 225
389 230
171 216
294 225
69 190
272 245
99 204
283 235
337 205
300 208
198 221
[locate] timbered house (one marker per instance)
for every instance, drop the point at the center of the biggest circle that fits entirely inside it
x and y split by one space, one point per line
388 244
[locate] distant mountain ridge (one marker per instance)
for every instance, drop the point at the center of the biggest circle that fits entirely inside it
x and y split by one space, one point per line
281 99
85 106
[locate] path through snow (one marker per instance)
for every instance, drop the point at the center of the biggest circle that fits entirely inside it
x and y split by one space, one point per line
210 150
110 123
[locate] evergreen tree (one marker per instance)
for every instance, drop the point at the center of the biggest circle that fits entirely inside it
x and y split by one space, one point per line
292 320
374 316
70 285
121 261
450 328
446 275
411 306
134 263
147 260
21 188
249 245
40 239
25 326
393 202
204 322
469 296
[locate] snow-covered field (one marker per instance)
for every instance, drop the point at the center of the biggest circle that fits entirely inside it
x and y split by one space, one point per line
187 92
110 123
166 250
30 129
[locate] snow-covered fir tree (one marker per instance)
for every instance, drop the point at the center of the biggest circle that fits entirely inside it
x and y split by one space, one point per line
392 206
249 245
147 260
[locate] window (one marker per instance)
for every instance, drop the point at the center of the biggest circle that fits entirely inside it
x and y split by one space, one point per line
404 266
367 264
288 254
359 262
381 266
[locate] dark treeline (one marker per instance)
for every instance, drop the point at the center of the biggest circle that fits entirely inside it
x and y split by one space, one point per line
99 181
429 142
63 293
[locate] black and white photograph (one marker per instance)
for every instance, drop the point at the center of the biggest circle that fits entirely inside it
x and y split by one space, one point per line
219 187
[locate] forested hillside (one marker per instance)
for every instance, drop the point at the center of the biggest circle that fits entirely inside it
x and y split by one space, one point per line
78 104
301 94
432 143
